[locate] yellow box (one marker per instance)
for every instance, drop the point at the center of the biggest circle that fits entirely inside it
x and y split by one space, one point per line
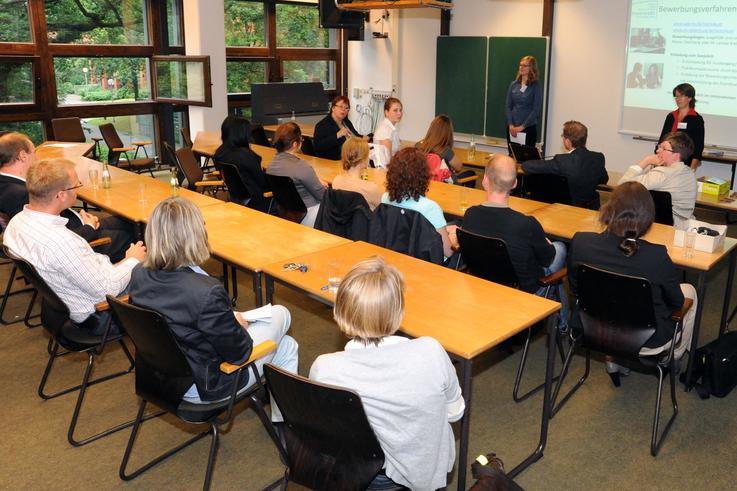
713 185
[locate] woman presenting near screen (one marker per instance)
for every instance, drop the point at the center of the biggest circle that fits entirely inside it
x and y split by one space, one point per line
524 101
686 119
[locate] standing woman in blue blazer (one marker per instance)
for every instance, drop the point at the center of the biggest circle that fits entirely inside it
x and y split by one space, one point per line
524 101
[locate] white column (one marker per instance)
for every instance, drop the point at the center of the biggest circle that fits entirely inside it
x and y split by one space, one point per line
204 28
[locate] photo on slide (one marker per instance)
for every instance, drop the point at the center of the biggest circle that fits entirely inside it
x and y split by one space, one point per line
654 77
647 40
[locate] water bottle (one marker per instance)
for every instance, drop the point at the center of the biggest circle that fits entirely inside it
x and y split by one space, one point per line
174 182
293 117
106 182
472 150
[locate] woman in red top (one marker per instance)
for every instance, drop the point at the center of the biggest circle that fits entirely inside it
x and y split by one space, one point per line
686 119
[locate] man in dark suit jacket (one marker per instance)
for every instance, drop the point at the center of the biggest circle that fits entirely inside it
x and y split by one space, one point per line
17 153
583 168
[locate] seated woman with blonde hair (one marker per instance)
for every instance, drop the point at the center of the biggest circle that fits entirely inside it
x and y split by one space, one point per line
197 308
408 387
355 157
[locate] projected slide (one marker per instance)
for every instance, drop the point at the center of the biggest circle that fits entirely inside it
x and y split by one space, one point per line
675 41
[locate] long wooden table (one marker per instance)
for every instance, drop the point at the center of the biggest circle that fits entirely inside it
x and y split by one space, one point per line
563 221
492 313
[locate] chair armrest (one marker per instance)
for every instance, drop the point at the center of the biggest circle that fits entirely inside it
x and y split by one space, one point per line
101 242
268 194
141 143
123 149
215 173
96 139
679 314
209 183
466 179
553 278
259 351
102 306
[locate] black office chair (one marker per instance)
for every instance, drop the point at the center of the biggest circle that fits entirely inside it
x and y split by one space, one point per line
407 232
73 339
344 213
329 441
663 207
163 376
617 318
548 188
70 130
258 136
116 149
488 258
308 148
12 278
288 201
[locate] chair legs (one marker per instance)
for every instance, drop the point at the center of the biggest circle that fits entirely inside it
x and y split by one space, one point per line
563 374
521 369
9 293
656 443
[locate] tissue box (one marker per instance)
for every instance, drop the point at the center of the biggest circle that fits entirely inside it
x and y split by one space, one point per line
705 243
713 185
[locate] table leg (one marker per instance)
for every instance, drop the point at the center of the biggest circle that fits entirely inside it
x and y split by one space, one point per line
257 289
269 289
234 281
466 375
724 323
550 366
701 295
226 282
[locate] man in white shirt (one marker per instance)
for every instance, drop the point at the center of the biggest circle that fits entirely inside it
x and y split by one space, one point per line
77 274
665 171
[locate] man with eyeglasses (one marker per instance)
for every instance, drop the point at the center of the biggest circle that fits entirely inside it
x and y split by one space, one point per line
666 171
17 154
77 274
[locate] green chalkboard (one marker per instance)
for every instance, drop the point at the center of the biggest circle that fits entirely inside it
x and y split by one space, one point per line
504 56
460 81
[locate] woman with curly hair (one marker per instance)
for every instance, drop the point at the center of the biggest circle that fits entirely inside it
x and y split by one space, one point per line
407 181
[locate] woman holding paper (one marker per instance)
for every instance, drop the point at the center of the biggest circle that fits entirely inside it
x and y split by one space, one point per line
197 308
334 129
524 103
686 119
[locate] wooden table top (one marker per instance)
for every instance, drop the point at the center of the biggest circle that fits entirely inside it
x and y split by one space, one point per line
207 142
251 239
67 150
564 221
467 315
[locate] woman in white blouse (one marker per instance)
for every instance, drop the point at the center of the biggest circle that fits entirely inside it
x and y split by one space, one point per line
386 136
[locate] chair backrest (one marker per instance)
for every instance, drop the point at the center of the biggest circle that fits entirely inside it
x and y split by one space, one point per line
344 213
406 231
237 190
112 140
548 188
487 258
188 164
258 136
329 440
308 148
289 202
186 137
54 312
616 311
163 375
663 207
68 130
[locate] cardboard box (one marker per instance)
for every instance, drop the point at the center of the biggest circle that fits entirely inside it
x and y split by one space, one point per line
713 185
705 243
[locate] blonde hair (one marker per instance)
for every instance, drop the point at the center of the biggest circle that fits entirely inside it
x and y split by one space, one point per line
501 172
355 151
176 236
46 178
533 75
439 135
370 301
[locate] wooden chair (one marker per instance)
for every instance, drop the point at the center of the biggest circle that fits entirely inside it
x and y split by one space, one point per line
288 201
187 139
548 188
663 207
70 130
73 339
617 318
163 376
328 440
116 149
197 180
488 258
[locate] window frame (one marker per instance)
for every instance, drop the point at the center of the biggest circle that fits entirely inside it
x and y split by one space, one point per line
207 82
35 76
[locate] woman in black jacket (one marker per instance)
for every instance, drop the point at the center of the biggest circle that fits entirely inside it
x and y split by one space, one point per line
333 130
686 119
235 150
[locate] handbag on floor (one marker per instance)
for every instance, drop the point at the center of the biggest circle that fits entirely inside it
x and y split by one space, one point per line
715 367
488 470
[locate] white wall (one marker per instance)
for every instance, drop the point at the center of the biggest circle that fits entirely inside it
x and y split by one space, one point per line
587 66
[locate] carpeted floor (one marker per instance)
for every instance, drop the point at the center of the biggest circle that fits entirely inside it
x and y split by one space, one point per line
600 440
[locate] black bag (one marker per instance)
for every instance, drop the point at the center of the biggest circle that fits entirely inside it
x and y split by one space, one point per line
716 367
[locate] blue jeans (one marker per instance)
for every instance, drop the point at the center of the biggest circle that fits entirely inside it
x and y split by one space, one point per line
559 261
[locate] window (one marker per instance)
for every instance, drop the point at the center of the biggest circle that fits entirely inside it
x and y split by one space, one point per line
15 24
183 79
241 74
244 23
16 82
174 22
129 128
34 129
101 80
298 26
311 71
97 22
